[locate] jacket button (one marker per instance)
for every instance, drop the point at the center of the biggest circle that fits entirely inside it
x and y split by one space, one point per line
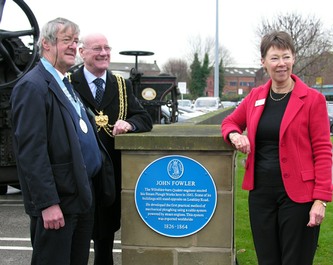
286 175
284 160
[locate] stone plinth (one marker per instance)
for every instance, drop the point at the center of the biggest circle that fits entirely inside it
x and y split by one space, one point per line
214 243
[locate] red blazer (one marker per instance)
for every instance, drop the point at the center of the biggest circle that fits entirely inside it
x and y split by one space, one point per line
305 149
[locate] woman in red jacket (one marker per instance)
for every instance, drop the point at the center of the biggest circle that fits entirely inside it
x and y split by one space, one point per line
289 164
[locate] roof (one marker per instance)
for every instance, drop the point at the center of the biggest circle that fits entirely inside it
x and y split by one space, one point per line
237 71
142 67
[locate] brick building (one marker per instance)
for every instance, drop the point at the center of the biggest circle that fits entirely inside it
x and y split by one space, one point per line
237 81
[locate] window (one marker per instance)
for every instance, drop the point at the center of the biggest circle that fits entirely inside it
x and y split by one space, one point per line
248 84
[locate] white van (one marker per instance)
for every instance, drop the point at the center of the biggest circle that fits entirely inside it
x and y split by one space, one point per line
207 104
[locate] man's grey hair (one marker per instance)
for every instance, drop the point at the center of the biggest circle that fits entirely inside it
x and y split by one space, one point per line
50 31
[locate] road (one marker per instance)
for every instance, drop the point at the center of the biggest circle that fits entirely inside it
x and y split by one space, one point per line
15 247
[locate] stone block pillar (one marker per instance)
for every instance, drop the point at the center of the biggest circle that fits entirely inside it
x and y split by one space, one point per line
214 243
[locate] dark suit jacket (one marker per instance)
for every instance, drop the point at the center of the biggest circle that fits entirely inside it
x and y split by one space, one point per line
50 164
136 115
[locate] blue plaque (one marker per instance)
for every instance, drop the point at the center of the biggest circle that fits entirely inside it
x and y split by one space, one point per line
175 196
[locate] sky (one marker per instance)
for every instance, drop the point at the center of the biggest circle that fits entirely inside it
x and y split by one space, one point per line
167 28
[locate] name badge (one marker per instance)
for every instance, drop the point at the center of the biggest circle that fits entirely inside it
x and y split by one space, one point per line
260 102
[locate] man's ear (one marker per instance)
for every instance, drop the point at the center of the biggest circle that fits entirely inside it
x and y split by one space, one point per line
81 52
46 45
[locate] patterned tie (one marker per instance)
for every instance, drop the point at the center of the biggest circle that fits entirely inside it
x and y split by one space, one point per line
69 87
100 90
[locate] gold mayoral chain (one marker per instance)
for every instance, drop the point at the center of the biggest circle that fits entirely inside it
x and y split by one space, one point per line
102 120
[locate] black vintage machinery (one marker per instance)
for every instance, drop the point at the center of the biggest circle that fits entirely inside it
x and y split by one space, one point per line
154 92
18 55
16 59
157 91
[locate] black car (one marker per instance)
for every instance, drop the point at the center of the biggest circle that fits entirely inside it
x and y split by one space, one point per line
8 177
330 116
331 124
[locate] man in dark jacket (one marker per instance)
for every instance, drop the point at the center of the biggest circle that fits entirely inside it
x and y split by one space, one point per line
59 156
117 111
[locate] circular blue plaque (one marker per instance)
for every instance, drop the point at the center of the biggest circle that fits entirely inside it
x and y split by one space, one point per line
175 196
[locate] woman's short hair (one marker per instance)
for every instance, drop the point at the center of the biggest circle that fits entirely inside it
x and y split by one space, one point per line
278 39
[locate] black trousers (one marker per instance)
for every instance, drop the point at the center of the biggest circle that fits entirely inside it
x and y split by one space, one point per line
279 229
68 245
103 250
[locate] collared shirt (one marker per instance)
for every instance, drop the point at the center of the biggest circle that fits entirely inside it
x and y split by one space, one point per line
90 80
58 76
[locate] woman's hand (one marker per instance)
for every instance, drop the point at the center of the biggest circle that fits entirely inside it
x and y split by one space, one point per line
240 142
317 213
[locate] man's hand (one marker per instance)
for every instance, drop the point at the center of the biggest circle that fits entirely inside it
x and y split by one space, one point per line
53 217
121 127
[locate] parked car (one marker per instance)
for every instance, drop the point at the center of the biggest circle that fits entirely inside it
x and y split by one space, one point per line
185 103
227 104
330 116
8 177
239 102
331 123
186 113
183 114
207 104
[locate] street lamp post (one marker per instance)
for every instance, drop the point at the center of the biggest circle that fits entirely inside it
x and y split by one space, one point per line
216 69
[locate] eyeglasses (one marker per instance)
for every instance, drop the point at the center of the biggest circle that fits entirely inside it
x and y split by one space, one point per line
70 41
99 49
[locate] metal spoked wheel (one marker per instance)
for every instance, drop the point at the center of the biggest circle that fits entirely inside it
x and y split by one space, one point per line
16 57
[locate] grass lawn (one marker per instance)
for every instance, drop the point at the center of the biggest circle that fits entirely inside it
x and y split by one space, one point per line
244 245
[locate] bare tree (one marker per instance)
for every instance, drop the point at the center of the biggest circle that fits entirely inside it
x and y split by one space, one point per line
177 68
312 43
207 46
203 50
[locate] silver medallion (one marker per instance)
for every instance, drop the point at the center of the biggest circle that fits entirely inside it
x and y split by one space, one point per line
83 126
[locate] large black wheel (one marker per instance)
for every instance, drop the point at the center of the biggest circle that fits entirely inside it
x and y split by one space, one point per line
17 57
19 33
3 189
